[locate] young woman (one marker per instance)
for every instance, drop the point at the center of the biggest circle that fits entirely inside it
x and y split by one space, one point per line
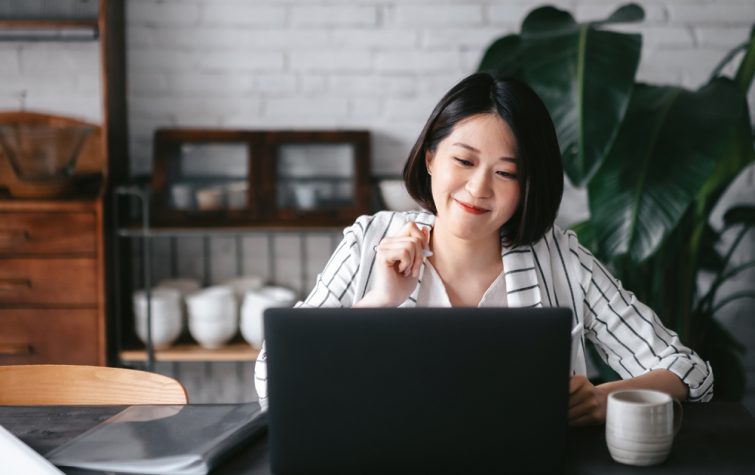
486 170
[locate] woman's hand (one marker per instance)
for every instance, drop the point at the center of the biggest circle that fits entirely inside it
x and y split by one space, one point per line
587 403
397 263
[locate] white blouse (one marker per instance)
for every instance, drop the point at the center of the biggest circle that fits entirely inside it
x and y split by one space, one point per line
556 271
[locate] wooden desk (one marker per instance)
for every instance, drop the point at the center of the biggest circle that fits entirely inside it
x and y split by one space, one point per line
714 438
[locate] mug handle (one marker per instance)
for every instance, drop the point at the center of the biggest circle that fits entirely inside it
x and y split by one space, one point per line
678 414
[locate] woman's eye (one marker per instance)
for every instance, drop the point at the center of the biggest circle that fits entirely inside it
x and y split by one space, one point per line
507 174
463 162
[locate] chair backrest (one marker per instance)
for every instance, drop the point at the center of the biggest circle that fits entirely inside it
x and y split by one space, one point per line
44 385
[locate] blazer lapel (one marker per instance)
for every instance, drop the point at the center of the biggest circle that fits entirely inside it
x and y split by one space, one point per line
522 289
423 219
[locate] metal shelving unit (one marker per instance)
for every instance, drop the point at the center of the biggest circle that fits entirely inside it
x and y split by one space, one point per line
143 235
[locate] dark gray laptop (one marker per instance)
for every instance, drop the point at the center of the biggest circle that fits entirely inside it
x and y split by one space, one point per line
421 390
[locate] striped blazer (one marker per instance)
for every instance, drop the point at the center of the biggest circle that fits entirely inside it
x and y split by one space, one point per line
556 271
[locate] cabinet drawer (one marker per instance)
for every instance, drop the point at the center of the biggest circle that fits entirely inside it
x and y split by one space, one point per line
49 336
56 282
47 233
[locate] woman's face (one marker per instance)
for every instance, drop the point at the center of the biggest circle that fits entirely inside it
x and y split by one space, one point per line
473 175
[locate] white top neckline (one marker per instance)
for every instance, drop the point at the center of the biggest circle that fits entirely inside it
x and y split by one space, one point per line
433 293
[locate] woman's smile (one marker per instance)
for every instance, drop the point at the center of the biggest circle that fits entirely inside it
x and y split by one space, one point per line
469 208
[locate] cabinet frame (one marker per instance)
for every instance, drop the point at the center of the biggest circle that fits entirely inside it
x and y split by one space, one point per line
263 156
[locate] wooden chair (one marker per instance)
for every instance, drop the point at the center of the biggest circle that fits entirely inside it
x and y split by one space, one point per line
49 385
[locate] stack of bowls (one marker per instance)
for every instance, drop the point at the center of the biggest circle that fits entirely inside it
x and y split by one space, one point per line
213 316
185 286
166 316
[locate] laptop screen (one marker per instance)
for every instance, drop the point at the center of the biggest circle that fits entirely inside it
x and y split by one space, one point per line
417 389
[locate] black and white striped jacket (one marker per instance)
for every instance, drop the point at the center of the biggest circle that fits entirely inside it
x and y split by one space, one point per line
556 271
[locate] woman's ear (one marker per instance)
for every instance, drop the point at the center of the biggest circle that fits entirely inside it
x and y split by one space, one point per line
428 162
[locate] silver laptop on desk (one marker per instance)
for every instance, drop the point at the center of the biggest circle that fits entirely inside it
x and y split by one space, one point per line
419 390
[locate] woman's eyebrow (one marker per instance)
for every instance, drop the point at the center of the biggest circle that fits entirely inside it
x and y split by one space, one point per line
472 149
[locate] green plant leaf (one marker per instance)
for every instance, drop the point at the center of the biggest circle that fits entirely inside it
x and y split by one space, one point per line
724 352
665 152
746 68
548 21
503 56
585 77
710 259
625 14
740 215
735 150
585 233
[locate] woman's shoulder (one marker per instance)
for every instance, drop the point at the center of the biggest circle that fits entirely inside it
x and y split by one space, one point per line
563 243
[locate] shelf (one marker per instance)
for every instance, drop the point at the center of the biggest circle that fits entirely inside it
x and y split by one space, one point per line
38 24
191 352
139 232
49 30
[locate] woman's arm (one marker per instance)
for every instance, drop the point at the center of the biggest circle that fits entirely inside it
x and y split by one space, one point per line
631 338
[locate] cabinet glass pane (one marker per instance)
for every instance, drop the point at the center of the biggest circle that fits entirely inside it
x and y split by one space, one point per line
210 176
315 176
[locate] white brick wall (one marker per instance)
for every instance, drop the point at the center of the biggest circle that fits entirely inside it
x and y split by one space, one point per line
375 64
366 63
58 78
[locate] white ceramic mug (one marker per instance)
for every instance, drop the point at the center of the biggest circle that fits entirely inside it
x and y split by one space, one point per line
166 316
641 425
254 305
213 316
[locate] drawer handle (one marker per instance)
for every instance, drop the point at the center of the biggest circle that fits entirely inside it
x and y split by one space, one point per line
16 349
13 237
9 285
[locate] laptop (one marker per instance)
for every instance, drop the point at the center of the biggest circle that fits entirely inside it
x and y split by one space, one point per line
417 390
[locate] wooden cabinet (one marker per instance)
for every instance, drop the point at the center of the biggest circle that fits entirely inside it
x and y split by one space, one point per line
53 250
52 306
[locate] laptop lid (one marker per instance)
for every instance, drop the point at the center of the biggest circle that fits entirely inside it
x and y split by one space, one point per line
386 390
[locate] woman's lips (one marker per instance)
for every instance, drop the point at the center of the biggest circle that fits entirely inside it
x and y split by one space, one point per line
470 208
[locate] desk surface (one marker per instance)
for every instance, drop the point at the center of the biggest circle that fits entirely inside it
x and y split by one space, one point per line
714 438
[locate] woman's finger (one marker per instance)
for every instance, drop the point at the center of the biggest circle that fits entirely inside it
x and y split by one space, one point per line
397 254
422 237
416 246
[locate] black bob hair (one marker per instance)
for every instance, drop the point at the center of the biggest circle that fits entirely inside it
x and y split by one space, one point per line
539 168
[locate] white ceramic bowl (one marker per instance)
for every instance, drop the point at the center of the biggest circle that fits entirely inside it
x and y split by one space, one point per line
253 307
212 334
213 315
395 196
166 316
244 284
184 285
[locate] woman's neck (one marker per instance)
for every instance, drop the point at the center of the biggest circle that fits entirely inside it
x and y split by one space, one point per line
455 256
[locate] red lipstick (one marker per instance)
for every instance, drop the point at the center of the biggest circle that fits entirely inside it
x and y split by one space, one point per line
471 209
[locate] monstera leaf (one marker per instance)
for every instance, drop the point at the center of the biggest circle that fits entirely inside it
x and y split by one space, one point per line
665 154
583 74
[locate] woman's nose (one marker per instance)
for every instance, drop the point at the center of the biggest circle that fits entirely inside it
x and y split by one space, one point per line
478 185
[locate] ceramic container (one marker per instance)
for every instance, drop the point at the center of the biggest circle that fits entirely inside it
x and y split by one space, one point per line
253 307
213 316
166 316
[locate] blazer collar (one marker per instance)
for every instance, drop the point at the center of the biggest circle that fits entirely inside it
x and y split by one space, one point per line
522 289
